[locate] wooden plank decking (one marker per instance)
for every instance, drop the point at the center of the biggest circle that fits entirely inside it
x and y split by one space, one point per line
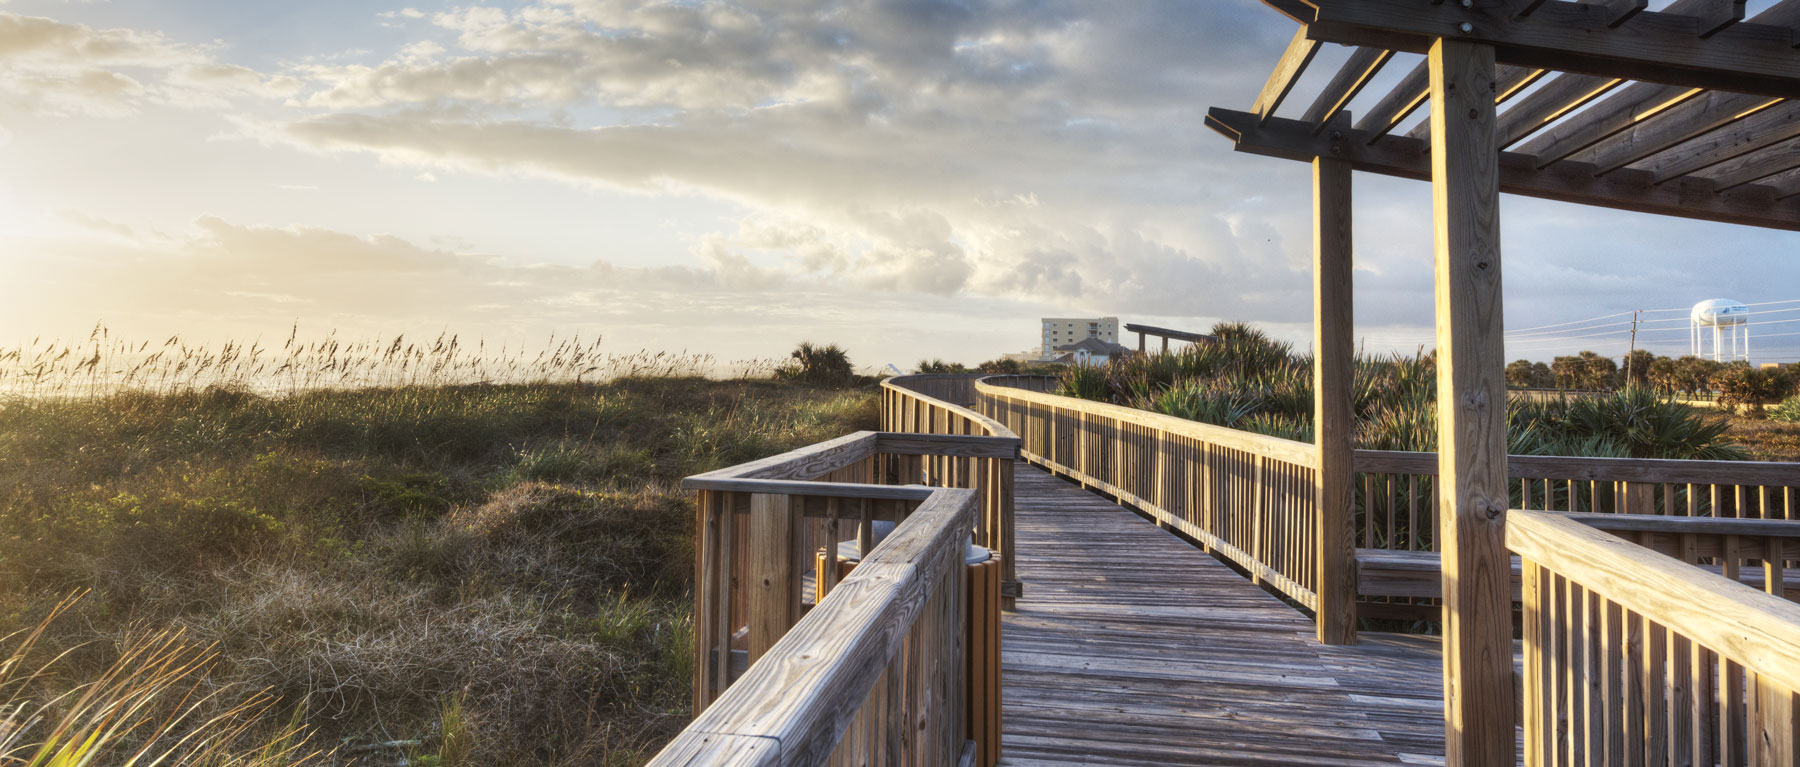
1132 647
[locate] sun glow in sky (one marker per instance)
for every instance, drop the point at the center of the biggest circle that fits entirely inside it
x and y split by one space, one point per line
909 178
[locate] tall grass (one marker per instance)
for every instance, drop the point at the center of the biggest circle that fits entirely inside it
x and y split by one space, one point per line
148 707
102 363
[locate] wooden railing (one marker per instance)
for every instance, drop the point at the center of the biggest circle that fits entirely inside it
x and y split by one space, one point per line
938 404
866 670
1636 654
1248 497
1397 503
1396 507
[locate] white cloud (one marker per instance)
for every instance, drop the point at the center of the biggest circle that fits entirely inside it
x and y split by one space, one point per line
60 68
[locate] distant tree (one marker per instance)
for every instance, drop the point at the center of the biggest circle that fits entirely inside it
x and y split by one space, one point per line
1002 366
940 367
1525 374
1664 375
826 365
1637 367
1586 371
1696 373
1740 384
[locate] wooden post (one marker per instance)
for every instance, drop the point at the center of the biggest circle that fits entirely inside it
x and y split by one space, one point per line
1334 427
1480 706
771 571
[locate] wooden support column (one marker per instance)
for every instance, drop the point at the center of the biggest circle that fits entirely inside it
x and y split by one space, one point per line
1480 705
1334 423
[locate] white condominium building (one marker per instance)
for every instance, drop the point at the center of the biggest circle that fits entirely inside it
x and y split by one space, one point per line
1061 331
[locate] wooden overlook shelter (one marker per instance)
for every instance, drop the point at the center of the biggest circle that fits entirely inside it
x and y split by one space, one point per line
1595 611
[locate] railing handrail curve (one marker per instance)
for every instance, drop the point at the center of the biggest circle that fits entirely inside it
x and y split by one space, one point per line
898 383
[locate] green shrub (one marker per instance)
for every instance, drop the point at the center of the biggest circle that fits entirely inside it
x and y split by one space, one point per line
1085 382
1788 411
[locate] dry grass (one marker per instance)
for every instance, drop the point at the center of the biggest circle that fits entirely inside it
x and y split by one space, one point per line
150 706
476 574
1766 440
103 364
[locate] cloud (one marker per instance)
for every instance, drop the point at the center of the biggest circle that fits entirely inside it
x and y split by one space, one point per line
975 153
219 279
1033 150
60 68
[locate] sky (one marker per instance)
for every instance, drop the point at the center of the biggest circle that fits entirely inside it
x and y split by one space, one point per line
906 178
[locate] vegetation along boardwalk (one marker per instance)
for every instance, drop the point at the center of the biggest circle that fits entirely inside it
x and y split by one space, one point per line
1132 647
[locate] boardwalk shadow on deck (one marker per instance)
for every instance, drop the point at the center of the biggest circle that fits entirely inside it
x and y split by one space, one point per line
1132 647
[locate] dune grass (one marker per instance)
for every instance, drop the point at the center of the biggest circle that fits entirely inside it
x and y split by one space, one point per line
446 575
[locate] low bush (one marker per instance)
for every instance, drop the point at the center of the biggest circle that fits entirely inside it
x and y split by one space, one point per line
1788 411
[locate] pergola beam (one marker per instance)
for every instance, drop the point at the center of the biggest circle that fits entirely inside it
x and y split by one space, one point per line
1631 105
1763 129
1509 81
1675 126
1350 79
1575 37
1777 159
1567 181
1300 52
1403 100
1545 105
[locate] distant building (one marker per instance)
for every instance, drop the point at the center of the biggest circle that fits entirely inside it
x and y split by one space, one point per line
1062 331
1088 351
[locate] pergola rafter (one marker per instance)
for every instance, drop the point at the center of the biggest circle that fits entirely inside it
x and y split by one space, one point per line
1712 152
1689 110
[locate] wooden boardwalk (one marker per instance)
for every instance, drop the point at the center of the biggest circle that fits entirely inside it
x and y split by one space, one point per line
1132 647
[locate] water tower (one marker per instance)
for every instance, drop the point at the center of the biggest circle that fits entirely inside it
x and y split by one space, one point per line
1724 317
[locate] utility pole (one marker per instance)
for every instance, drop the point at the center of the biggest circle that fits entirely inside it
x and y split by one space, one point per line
1631 355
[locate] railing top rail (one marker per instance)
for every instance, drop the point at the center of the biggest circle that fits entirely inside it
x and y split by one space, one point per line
803 463
1758 630
1656 523
1600 469
899 383
792 706
792 472
1299 453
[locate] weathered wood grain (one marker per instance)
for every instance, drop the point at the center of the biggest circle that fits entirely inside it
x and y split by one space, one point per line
1300 52
1751 627
1478 691
797 695
1136 648
1334 352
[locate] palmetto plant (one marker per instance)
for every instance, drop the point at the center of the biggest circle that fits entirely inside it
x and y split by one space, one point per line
1246 381
826 365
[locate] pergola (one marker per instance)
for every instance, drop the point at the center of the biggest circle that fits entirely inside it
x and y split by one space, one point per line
1690 111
